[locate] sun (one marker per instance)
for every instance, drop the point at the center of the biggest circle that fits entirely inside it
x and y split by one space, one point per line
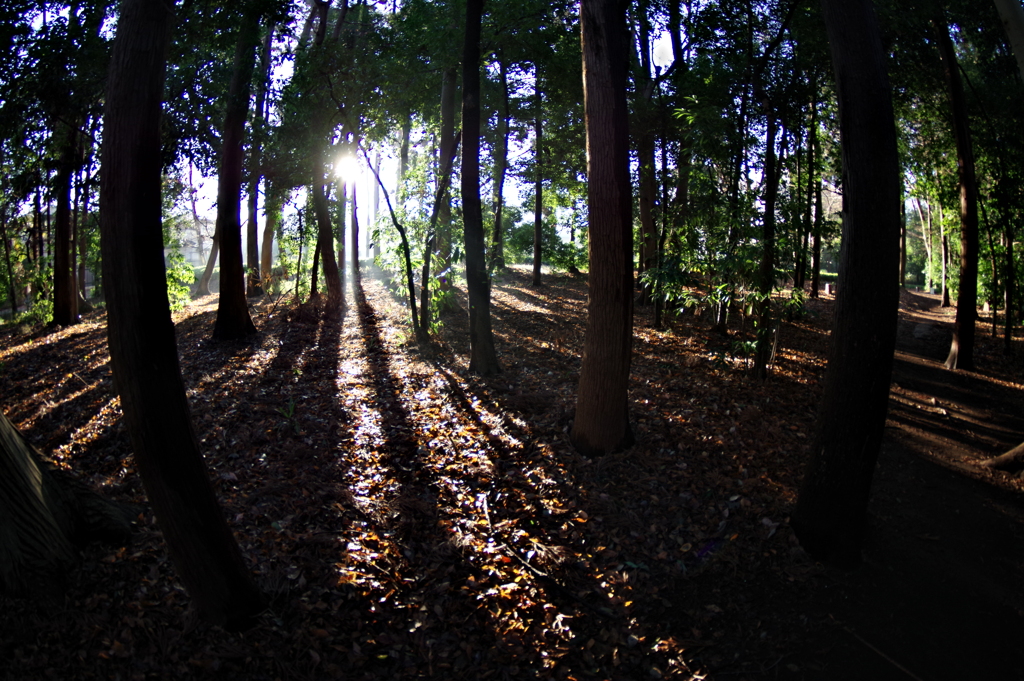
346 168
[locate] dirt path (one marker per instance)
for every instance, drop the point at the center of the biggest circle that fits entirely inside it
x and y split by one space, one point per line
939 595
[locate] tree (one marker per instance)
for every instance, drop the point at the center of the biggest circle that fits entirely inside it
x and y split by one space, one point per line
143 353
483 358
1012 15
233 320
961 350
44 515
831 508
602 411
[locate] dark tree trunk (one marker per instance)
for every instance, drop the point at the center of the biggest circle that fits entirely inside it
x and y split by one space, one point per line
143 353
944 241
444 182
65 302
314 271
325 239
538 180
601 424
961 351
44 516
766 275
500 170
12 287
233 320
832 504
254 278
355 233
442 241
483 358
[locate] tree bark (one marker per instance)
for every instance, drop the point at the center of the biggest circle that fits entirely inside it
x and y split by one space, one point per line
44 516
500 170
832 504
325 239
65 302
601 424
441 243
483 358
254 277
766 275
233 320
1012 15
143 352
203 287
272 210
961 351
538 180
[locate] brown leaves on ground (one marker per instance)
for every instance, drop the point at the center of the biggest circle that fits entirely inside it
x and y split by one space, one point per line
410 520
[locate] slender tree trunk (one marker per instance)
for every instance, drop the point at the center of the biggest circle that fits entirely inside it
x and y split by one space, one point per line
961 351
12 287
903 244
538 179
1010 284
442 241
254 278
832 504
65 302
203 287
325 239
272 209
376 206
483 358
314 271
500 170
816 242
601 424
927 238
233 320
143 353
767 273
355 233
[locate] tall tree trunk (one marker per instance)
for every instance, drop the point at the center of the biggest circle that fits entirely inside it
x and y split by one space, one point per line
766 276
376 206
961 351
927 239
816 242
12 286
832 504
233 320
601 424
65 302
538 179
143 353
483 358
500 170
272 209
442 243
1012 15
325 240
254 278
355 233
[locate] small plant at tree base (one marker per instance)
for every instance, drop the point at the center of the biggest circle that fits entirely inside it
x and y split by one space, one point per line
288 412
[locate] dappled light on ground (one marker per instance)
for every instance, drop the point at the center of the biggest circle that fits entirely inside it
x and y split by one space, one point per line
411 520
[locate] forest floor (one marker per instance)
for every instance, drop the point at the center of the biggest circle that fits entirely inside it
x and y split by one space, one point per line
410 520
